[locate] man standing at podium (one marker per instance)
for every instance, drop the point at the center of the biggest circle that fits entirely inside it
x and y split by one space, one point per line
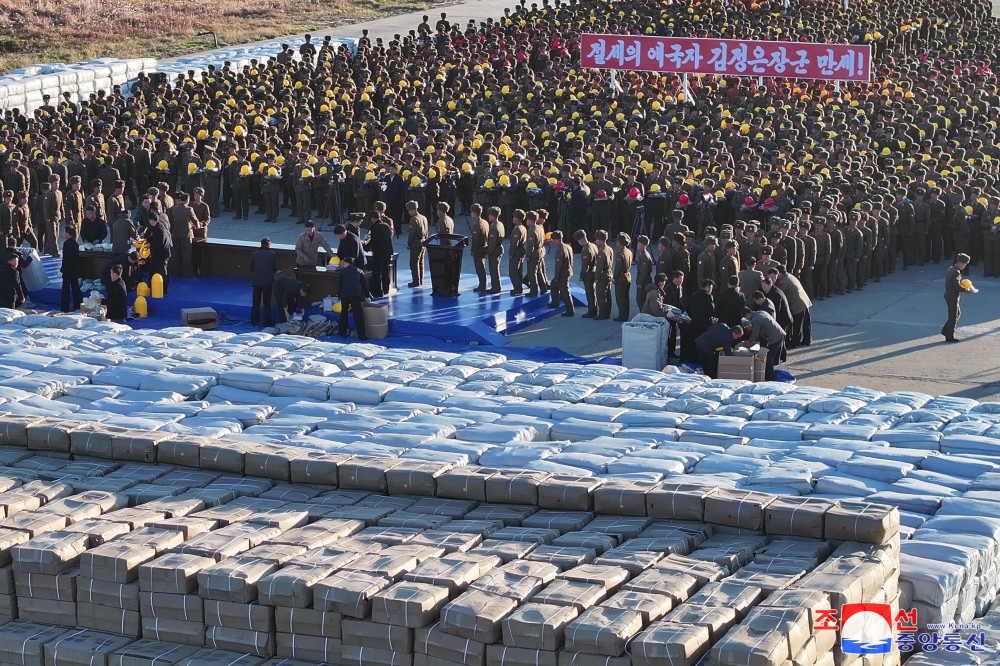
445 225
415 243
494 248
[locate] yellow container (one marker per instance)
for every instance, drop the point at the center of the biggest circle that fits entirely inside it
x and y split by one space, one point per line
141 307
157 285
142 289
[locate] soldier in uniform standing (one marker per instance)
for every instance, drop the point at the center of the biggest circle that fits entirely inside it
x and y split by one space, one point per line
535 253
809 257
73 203
937 218
644 269
588 270
664 258
953 291
415 243
921 225
836 263
480 230
494 248
824 248
602 276
562 273
730 264
52 211
707 269
515 264
869 230
680 257
854 242
622 276
904 231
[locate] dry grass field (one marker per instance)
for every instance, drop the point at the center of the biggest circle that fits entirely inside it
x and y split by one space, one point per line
35 31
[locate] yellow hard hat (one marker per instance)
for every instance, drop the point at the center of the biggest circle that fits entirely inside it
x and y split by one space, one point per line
307 173
966 283
163 166
245 170
415 181
369 176
192 167
273 171
489 184
210 165
504 180
202 134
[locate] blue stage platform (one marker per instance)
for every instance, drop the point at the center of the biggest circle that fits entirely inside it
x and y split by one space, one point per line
470 318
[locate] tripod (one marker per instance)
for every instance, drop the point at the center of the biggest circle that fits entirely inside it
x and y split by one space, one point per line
639 221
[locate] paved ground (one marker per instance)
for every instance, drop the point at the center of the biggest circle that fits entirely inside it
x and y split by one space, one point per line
885 337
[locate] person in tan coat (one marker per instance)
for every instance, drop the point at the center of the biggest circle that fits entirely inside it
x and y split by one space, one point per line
52 212
563 272
622 277
602 275
415 243
445 225
480 230
494 248
515 264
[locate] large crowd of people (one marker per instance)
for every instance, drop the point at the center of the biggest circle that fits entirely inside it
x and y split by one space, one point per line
786 190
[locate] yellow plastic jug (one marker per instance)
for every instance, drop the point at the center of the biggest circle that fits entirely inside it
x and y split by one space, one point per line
141 307
142 289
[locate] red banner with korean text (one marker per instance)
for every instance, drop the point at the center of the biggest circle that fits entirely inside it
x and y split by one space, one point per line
727 57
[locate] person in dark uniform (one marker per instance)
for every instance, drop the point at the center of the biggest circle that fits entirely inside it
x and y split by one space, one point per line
290 295
563 272
953 291
350 246
588 270
117 300
674 295
718 338
731 302
160 244
353 293
701 308
131 269
380 243
70 271
12 294
263 266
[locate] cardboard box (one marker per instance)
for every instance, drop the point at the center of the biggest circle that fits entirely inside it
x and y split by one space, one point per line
23 642
503 655
174 573
737 366
103 593
361 656
261 643
61 587
603 631
409 604
247 617
116 562
173 631
150 653
234 579
311 648
366 633
84 647
670 642
305 621
213 657
183 607
538 626
432 641
477 616
106 618
348 592
47 611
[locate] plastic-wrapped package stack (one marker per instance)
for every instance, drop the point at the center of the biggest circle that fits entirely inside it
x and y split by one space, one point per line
290 406
24 88
147 563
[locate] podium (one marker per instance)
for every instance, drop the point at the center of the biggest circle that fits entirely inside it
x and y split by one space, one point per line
444 254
